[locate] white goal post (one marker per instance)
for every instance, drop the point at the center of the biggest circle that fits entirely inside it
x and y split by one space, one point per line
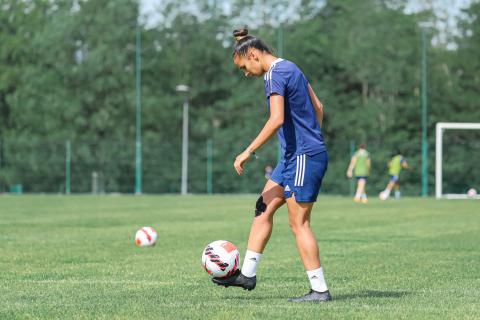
442 126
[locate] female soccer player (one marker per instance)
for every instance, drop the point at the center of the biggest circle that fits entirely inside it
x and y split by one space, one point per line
296 116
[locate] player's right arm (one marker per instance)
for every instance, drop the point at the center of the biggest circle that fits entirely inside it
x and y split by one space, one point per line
274 122
317 105
351 166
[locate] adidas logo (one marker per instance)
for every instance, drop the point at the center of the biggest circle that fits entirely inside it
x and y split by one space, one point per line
287 188
314 277
253 259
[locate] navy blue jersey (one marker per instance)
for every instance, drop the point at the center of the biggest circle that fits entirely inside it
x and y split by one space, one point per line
300 132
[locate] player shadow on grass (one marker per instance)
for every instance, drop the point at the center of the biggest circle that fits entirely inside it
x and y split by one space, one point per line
252 298
356 295
372 294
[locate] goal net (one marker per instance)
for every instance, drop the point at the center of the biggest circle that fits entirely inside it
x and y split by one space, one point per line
457 160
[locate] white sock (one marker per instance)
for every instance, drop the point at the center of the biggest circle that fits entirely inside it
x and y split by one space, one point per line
250 263
397 194
358 195
364 196
317 281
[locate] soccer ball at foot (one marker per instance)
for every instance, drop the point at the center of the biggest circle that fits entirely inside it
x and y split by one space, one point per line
146 237
220 258
383 195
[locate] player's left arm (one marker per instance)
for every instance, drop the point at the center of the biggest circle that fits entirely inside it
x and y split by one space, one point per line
317 105
274 122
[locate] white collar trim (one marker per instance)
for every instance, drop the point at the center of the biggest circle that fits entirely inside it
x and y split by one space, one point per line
271 67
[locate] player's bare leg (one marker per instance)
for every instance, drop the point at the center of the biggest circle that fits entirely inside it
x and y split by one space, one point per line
390 186
267 204
397 190
386 193
363 190
299 220
360 194
262 225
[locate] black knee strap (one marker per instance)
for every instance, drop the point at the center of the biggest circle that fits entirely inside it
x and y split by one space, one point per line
260 206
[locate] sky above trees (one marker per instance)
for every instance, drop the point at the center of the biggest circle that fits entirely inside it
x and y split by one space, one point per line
447 12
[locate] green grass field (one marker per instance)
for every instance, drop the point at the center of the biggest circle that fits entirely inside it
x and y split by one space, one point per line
73 257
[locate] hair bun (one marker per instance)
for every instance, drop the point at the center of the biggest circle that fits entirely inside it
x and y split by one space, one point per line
238 34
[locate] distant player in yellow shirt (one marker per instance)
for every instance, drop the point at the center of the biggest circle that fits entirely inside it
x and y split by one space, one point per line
395 165
360 166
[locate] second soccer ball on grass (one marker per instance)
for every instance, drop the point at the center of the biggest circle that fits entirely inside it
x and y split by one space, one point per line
146 237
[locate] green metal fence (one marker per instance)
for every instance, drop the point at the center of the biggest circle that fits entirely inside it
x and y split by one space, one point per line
109 167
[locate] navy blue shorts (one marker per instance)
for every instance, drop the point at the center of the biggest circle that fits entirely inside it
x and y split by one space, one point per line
301 176
362 178
393 178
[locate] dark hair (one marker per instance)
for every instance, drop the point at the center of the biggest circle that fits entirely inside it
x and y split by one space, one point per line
362 146
244 42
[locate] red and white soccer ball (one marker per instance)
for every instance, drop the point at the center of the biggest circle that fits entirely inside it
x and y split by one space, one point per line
220 258
146 237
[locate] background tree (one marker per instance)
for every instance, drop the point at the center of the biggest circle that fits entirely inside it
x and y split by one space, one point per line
68 73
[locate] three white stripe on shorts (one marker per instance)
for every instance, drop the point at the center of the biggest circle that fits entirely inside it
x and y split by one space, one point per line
300 172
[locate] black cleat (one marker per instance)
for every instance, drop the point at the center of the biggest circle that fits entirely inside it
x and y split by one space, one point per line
237 280
313 296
